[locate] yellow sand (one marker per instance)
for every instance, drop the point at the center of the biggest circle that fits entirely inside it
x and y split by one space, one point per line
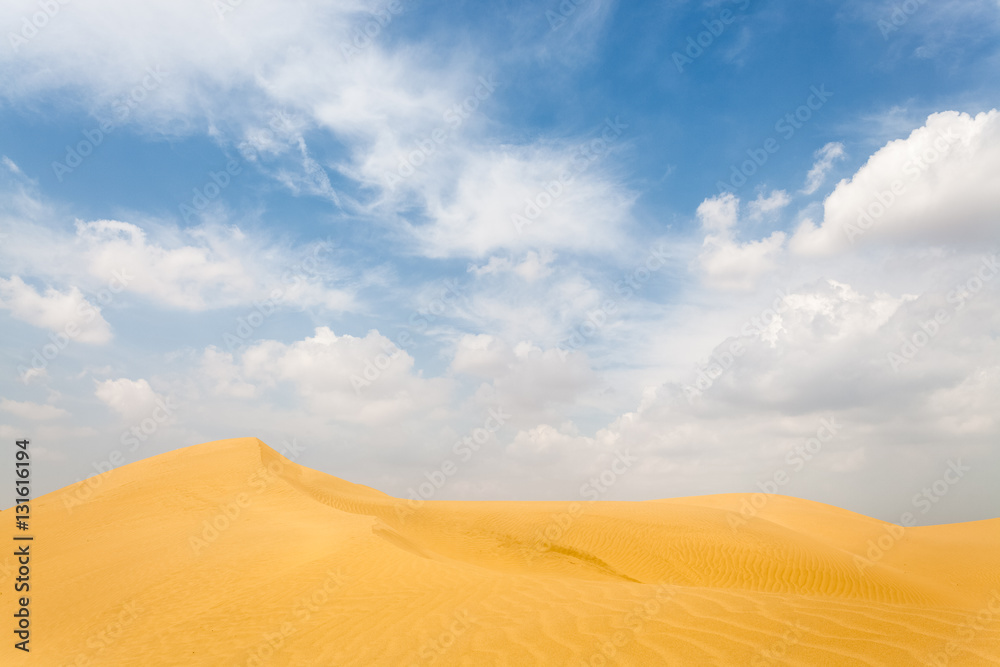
314 570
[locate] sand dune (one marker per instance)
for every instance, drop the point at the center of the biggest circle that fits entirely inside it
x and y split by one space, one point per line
228 554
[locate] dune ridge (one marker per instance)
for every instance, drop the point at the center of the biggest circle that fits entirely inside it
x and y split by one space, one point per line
228 553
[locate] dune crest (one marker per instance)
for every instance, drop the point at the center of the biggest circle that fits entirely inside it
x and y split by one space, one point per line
227 553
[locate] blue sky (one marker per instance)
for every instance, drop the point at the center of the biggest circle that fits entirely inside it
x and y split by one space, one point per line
276 226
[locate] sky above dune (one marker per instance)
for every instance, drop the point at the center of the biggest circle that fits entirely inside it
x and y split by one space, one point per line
574 250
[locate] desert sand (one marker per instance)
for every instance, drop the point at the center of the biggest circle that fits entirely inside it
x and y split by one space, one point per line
226 553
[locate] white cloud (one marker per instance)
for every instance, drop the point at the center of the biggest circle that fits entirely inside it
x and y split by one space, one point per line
185 276
229 77
33 411
67 313
822 350
534 266
359 380
224 376
825 157
719 214
482 355
762 205
30 374
737 266
525 379
198 268
102 50
518 310
821 356
132 399
384 105
518 198
936 186
11 166
545 444
726 263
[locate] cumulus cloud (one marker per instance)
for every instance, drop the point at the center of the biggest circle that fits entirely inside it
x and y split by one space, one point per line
804 355
224 376
131 399
65 312
524 378
762 205
829 346
416 149
719 214
819 358
545 444
935 186
185 276
360 380
726 263
481 355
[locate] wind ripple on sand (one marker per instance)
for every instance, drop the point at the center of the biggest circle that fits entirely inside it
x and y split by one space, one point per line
314 570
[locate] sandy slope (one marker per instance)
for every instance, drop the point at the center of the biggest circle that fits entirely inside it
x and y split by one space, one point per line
308 569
